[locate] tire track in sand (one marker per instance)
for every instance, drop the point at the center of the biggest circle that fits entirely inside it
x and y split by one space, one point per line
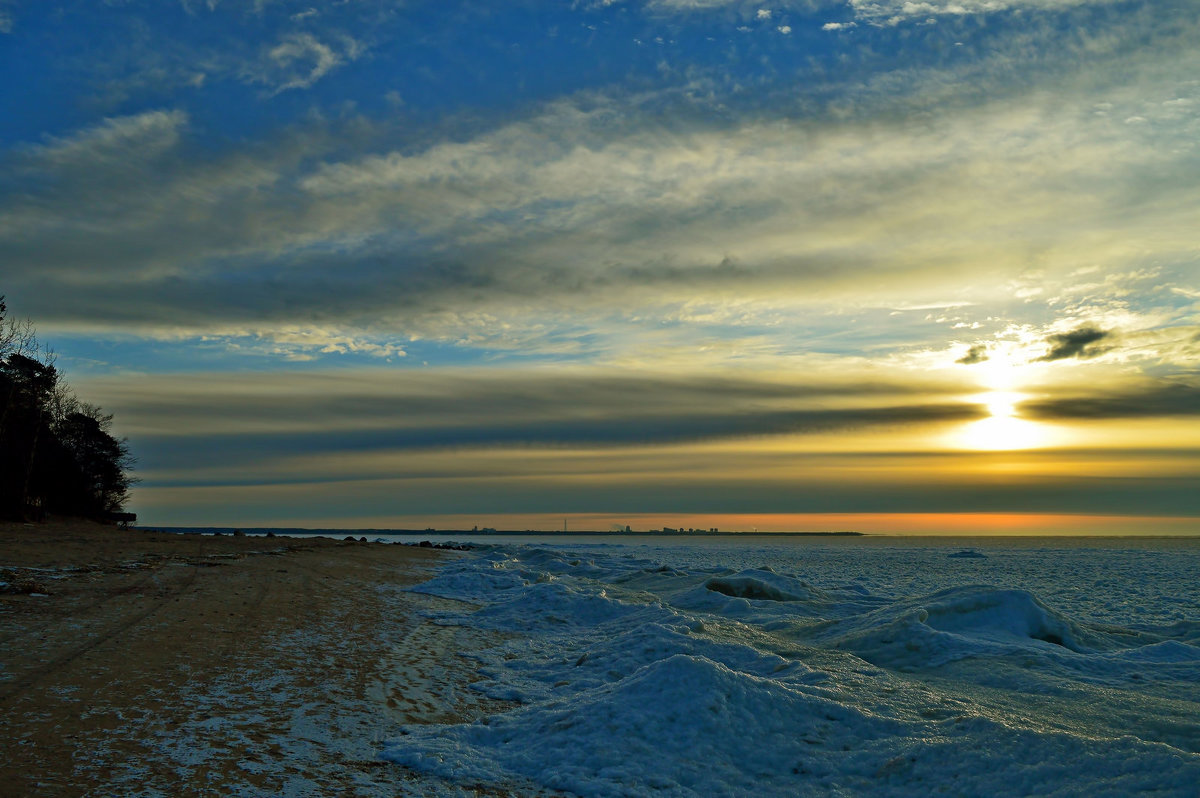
22 683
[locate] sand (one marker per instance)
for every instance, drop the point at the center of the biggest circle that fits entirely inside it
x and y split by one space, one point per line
141 663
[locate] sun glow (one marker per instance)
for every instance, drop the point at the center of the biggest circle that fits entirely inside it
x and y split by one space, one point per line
1001 432
1003 429
1002 404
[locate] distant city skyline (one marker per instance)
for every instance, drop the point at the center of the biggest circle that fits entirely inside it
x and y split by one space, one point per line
876 524
343 265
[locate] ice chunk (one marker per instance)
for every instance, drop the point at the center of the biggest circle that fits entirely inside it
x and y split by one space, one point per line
764 585
956 624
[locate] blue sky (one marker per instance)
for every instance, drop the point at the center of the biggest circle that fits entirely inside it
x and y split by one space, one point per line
551 257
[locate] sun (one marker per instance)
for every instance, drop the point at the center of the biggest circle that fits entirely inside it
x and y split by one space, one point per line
1003 429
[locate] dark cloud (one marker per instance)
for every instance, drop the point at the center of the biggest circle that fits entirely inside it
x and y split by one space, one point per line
174 452
234 421
397 284
1158 400
969 494
1077 343
976 354
415 398
644 429
291 419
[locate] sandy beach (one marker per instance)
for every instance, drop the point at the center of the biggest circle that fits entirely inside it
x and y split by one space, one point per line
135 662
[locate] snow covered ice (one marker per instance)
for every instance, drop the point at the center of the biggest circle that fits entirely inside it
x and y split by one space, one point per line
829 668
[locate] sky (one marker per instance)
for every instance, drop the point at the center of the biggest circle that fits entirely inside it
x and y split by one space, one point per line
872 264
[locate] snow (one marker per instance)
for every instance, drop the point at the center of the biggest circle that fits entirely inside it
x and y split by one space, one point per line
805 668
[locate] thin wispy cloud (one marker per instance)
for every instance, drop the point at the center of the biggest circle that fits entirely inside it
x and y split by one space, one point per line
299 60
895 11
112 142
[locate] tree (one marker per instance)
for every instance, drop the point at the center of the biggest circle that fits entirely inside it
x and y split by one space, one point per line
15 336
102 460
57 454
27 386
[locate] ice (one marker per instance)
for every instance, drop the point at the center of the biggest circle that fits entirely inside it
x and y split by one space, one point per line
716 726
554 603
827 669
765 585
956 624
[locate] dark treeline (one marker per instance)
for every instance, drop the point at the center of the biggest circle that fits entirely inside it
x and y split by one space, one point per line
56 452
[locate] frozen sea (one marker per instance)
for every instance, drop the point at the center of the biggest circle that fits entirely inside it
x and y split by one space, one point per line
827 666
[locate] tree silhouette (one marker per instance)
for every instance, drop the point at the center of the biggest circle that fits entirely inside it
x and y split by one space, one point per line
102 461
57 454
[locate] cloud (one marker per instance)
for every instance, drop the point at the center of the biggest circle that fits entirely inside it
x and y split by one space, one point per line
295 342
121 55
571 209
468 428
119 205
976 354
894 11
694 5
1158 399
7 20
1077 343
419 408
593 223
113 141
84 182
300 59
629 429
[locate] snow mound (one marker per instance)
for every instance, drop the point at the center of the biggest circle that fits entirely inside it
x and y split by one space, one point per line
956 624
684 725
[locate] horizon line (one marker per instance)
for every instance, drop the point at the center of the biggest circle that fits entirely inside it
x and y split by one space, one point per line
980 524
